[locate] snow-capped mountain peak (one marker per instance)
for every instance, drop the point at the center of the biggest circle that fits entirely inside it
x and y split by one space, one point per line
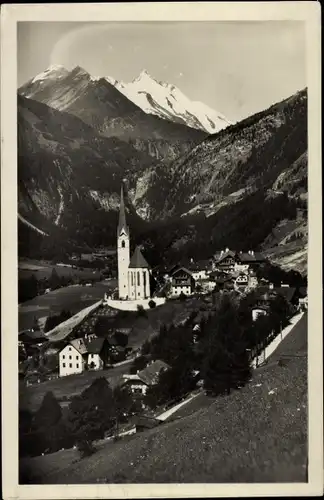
54 71
168 102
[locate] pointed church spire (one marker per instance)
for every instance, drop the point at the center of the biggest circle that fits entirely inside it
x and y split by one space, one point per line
122 216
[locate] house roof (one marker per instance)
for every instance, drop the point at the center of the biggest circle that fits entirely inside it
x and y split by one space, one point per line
227 253
201 265
150 374
250 257
79 345
137 260
181 269
241 256
94 346
122 217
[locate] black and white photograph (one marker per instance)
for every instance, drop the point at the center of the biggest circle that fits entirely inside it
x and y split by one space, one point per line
163 269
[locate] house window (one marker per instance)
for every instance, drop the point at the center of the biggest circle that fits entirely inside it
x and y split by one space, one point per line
77 357
77 365
70 357
70 365
123 244
70 348
63 365
138 278
63 356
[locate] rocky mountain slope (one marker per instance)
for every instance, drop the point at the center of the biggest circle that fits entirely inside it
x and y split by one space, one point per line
237 186
101 105
247 156
167 101
245 186
69 176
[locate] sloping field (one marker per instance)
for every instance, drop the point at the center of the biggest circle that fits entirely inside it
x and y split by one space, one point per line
63 330
67 387
257 434
41 269
72 298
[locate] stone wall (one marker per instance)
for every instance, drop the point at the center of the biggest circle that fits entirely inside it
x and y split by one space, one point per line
131 305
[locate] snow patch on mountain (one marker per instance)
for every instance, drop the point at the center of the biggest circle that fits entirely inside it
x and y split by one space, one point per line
168 102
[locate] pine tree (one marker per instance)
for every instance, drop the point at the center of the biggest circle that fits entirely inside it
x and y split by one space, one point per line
54 280
91 414
49 412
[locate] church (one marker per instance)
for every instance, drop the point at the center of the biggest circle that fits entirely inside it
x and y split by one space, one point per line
133 273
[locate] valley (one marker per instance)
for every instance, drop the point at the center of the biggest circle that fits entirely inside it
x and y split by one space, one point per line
178 179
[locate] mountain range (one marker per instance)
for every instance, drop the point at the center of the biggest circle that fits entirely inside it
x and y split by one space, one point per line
188 192
168 102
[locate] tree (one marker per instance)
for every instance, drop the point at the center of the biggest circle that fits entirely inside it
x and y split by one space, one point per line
49 412
54 280
53 321
225 361
91 414
172 385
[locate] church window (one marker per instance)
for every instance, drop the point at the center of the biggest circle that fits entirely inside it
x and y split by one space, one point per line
138 278
123 243
132 278
144 279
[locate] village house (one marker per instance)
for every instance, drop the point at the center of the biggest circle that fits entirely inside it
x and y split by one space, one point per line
206 284
199 270
303 299
259 311
241 282
231 260
80 354
182 281
138 383
253 280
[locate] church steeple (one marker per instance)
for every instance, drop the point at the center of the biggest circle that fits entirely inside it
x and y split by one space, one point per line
122 226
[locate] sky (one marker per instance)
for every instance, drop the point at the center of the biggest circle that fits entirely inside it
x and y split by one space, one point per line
237 68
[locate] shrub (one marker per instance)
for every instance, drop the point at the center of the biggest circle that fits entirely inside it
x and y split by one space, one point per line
138 364
141 311
152 304
182 297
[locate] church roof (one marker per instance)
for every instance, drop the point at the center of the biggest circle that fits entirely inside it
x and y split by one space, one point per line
122 216
137 260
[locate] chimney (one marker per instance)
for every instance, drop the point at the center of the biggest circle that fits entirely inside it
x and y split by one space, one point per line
227 249
222 251
252 252
271 286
